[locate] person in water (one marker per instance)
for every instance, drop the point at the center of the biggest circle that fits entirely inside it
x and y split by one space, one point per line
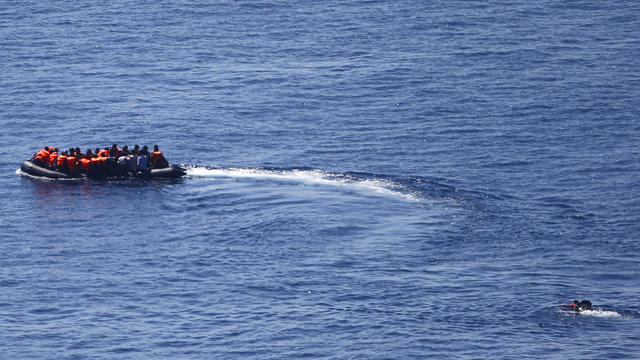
578 305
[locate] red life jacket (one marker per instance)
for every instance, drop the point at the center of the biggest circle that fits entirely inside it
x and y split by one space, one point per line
71 162
156 157
62 160
103 152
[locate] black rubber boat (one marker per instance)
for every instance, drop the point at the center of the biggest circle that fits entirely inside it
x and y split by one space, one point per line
31 168
169 172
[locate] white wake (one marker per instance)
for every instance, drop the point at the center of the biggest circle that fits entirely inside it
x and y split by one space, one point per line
310 177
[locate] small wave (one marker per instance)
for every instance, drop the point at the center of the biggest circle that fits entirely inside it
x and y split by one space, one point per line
315 177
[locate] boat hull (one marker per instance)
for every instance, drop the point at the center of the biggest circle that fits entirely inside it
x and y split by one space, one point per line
36 170
170 172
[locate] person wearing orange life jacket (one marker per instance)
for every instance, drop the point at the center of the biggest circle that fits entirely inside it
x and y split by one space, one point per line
61 163
72 161
105 162
157 159
85 162
102 152
53 158
95 165
42 156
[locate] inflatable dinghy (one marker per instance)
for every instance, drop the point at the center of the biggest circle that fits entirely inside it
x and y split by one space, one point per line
169 172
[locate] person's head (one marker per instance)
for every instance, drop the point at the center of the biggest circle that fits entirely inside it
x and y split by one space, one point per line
97 151
46 148
584 305
155 147
88 152
125 147
136 146
114 146
55 150
78 151
66 153
71 151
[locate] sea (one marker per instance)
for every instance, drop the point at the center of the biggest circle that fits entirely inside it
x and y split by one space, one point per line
366 179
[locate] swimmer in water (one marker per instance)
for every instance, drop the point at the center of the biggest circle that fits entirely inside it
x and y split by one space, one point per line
578 305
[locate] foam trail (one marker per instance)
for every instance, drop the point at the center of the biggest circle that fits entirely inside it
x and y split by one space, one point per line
315 177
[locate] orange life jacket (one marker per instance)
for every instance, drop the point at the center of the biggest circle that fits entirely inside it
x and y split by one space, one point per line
156 157
102 161
43 156
53 159
62 160
84 163
71 162
103 152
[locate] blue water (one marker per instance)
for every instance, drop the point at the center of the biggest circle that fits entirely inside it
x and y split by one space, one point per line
367 180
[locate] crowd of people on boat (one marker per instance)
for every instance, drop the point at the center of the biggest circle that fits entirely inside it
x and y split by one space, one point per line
112 161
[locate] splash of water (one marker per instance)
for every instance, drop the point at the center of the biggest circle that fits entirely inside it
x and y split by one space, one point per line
594 313
600 313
